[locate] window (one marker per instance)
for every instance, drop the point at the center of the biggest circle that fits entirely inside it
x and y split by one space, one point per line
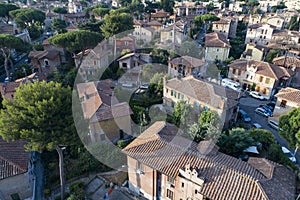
167 90
15 196
179 95
239 72
102 137
266 31
182 185
217 50
95 62
267 80
234 71
262 31
170 194
251 77
261 79
264 37
172 92
140 166
126 43
182 96
196 192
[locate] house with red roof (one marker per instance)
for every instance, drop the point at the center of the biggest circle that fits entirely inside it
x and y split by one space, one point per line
106 115
162 164
14 164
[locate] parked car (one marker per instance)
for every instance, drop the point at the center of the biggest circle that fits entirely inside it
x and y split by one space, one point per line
244 116
256 125
273 124
289 154
271 104
266 108
261 112
256 95
144 86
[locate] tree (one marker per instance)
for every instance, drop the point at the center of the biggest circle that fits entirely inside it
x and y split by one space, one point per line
196 132
7 44
27 17
293 24
210 7
273 53
100 11
60 10
262 136
91 26
41 114
235 141
252 4
5 8
43 119
167 5
115 23
209 117
59 25
183 115
76 41
290 127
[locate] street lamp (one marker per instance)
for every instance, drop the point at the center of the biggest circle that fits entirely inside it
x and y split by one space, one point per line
59 150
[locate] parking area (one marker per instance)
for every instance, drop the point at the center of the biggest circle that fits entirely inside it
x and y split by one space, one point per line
249 105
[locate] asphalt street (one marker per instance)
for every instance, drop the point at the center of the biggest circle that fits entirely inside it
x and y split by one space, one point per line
249 105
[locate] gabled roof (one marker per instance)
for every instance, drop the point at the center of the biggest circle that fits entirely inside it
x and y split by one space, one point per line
209 93
13 158
50 54
263 68
290 94
98 102
188 61
221 21
154 23
258 25
216 39
162 148
289 61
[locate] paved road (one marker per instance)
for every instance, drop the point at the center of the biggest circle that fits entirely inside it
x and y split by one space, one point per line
249 104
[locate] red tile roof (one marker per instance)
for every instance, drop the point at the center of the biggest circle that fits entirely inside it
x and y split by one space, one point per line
188 61
13 157
263 68
209 93
290 94
162 148
98 102
216 39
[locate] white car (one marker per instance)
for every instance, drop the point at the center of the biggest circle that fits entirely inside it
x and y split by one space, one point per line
256 95
256 125
261 112
289 154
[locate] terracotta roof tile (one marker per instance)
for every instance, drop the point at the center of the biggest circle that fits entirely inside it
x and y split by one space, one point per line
13 158
216 39
188 61
289 61
263 68
162 148
209 93
290 94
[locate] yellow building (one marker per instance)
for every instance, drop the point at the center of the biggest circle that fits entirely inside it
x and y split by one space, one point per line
261 76
202 96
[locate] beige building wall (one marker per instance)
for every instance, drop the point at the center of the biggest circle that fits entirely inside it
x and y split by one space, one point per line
141 183
20 184
219 53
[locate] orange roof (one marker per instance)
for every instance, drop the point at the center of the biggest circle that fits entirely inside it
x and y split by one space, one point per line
290 94
216 39
162 148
